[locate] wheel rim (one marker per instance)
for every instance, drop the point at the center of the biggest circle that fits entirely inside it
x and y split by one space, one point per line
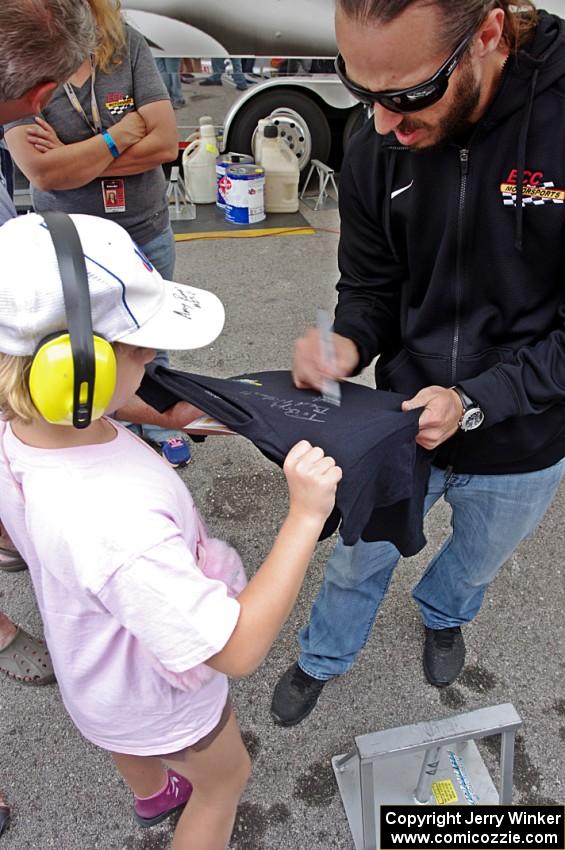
294 130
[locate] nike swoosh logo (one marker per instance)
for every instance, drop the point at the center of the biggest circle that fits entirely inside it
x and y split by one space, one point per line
400 191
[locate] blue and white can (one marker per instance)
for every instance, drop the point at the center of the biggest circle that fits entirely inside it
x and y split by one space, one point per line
222 166
245 194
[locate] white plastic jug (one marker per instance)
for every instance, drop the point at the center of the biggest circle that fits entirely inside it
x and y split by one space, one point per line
205 119
282 173
199 166
258 137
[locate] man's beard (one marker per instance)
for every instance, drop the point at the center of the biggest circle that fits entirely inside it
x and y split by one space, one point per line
456 123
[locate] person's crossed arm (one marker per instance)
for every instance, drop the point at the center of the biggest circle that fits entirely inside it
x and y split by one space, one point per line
51 165
159 145
145 139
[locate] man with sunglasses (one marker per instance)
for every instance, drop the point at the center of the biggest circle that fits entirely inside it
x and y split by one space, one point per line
451 254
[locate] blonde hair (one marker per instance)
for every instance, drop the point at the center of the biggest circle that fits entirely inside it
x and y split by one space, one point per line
111 31
15 398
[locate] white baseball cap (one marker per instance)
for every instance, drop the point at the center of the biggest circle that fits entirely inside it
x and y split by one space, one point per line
130 301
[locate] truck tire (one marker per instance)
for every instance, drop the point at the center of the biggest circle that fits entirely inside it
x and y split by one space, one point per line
299 118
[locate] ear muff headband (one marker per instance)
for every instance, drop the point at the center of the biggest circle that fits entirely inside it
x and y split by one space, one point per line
73 374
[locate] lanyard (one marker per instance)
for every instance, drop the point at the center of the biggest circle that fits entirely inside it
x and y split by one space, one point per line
96 127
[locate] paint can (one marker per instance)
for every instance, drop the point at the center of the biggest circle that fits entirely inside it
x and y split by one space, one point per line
245 195
222 165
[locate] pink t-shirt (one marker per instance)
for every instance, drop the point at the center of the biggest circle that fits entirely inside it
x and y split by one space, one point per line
109 535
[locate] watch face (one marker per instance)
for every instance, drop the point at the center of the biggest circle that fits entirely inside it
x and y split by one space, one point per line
472 418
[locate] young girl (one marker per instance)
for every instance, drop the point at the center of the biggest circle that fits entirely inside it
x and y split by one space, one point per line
142 632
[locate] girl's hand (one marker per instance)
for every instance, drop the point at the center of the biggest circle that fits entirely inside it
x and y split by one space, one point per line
141 413
312 481
42 136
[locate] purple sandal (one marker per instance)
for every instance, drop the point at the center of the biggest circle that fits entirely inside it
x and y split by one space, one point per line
173 797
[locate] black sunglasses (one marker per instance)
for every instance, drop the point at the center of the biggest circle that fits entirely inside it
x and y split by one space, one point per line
414 98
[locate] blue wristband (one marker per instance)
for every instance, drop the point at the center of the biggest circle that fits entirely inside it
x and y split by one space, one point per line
111 144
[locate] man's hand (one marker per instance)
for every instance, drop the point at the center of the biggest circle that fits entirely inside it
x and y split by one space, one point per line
440 419
176 417
308 367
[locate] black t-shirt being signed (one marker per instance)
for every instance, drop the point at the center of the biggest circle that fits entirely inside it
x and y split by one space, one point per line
385 473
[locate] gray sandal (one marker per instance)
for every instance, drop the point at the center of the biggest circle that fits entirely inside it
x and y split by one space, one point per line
13 562
27 660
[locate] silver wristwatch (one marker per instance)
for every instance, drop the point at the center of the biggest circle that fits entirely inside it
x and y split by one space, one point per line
472 416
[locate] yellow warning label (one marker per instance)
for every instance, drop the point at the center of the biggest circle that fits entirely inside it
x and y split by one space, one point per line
444 792
544 193
212 149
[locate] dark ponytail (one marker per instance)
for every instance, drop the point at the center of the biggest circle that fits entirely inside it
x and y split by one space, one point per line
460 16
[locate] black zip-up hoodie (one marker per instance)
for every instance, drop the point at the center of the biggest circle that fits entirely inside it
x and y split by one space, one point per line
452 264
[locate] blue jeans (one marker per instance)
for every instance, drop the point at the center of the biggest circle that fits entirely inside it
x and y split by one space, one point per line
161 252
170 74
491 515
218 66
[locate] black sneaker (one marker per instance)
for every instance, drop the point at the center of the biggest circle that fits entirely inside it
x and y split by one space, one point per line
444 655
295 696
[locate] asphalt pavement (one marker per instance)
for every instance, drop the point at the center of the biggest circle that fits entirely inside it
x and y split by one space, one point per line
66 794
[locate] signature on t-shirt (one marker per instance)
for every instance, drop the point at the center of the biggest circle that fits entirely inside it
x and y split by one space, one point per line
309 411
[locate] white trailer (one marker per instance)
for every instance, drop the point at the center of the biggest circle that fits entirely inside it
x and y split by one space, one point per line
314 111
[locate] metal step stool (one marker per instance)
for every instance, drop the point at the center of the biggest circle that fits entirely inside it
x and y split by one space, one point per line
184 208
325 177
435 762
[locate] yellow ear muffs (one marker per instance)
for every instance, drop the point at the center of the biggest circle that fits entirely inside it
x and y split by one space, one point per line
51 379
